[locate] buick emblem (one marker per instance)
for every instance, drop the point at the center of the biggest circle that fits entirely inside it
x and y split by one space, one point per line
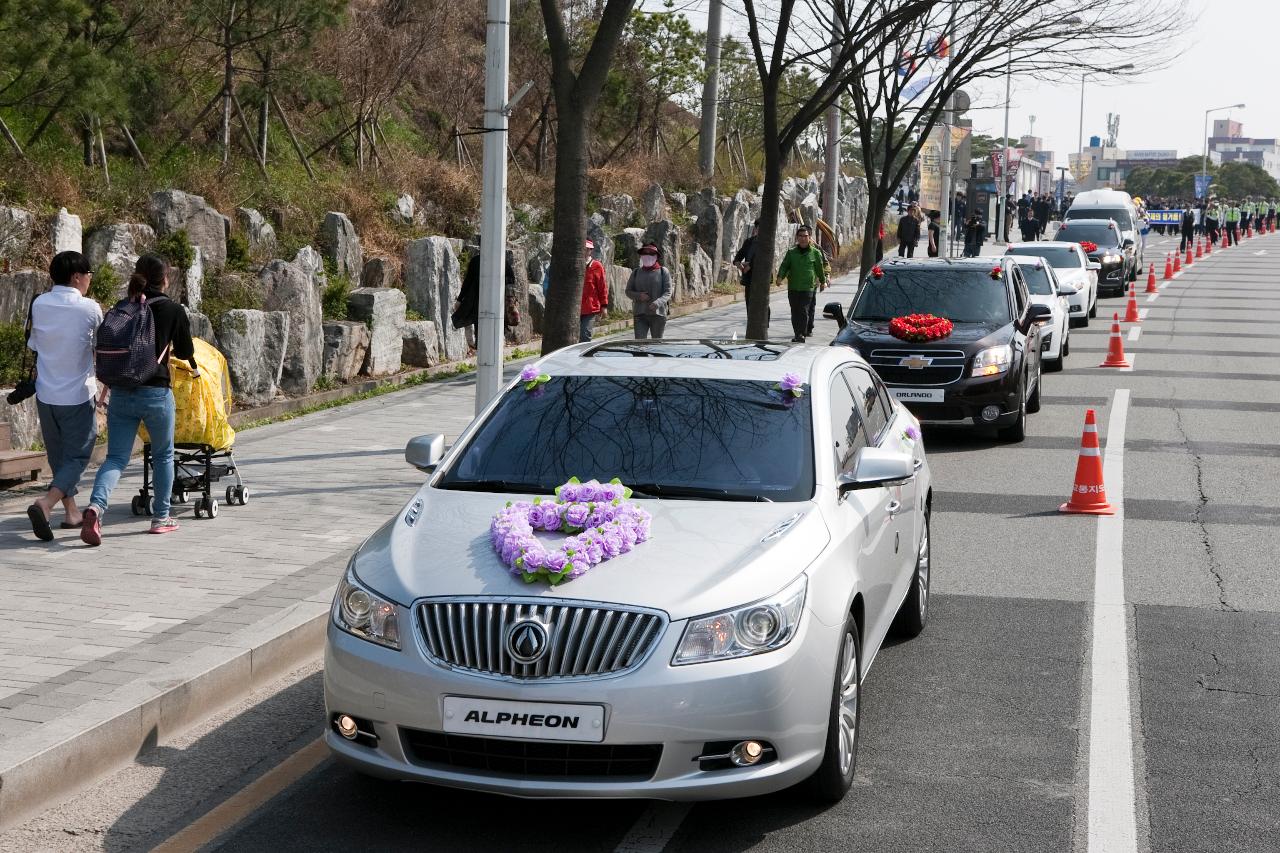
915 362
527 641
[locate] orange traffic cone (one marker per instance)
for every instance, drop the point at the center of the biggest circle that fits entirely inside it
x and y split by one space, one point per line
1088 493
1189 261
1177 262
1225 244
1151 281
1168 267
1131 310
1199 253
1115 350
1208 246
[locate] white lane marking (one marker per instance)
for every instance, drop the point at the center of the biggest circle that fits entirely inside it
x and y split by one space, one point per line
1142 315
1151 297
654 828
1112 801
1134 334
1263 252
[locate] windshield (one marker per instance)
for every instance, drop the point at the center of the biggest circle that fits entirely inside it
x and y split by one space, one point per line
1059 257
1037 279
1119 214
675 437
961 295
1104 235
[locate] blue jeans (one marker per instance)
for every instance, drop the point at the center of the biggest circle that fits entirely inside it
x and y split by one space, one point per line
128 408
69 433
586 325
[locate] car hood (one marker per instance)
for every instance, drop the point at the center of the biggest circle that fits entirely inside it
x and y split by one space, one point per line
701 557
876 334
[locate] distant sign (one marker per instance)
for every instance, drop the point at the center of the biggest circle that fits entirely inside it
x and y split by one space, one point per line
1151 154
1164 217
1202 185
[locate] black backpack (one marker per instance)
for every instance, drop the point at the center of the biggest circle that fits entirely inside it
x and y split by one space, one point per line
126 349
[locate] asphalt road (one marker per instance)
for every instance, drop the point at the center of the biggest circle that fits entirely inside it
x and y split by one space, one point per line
976 735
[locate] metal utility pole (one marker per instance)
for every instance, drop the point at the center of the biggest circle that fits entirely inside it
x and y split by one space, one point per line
1002 229
710 95
493 210
831 190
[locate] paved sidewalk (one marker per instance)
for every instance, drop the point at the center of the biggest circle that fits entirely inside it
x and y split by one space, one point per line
105 649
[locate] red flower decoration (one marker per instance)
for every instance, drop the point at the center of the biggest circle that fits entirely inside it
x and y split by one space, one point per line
876 272
920 328
1088 246
997 272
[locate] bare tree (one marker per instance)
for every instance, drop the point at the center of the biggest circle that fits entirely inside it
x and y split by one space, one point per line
907 82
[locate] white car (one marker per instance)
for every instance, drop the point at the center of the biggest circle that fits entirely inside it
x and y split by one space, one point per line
1055 330
1077 275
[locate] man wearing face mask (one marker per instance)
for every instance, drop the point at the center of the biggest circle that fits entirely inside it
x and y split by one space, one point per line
595 294
649 290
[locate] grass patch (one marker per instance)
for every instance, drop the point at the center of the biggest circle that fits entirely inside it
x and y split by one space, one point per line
333 301
222 293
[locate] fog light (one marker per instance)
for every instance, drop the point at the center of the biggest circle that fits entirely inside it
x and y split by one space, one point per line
746 753
347 727
990 413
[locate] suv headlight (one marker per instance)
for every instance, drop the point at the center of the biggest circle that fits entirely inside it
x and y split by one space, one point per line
363 613
1112 259
763 626
993 361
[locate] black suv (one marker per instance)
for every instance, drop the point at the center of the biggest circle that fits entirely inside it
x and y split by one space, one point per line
1117 257
987 369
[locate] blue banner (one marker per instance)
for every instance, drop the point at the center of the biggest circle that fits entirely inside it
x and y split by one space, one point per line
1202 185
1164 217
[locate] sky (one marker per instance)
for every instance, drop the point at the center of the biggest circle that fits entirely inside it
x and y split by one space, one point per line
1227 58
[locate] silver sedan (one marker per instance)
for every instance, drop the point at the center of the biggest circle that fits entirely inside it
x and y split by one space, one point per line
779 503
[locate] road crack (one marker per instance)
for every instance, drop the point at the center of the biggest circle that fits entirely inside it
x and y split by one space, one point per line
1215 567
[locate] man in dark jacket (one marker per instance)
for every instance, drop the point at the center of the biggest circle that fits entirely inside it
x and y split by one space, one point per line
466 308
909 232
1188 229
975 234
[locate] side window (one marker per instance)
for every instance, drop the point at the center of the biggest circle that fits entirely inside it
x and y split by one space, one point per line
869 403
846 425
1019 293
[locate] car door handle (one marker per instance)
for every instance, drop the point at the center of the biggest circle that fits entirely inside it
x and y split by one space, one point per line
917 464
893 508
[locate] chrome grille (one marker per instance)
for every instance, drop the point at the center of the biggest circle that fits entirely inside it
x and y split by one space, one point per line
584 640
947 366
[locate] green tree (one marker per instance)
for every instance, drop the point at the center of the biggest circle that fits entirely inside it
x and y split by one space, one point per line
1238 179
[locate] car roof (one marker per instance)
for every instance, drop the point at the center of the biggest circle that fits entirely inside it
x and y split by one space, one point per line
1103 197
981 263
705 358
1081 221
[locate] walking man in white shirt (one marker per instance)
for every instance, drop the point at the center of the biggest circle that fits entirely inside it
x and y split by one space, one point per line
64 325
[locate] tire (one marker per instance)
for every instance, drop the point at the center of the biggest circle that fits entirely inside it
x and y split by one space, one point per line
242 495
1066 347
179 496
1033 402
1093 310
832 779
913 615
1053 365
135 505
1016 431
211 507
231 496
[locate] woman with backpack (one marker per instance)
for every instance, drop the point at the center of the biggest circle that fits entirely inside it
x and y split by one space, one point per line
135 342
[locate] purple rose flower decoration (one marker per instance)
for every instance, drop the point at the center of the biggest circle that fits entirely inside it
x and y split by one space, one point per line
535 558
556 560
529 373
912 433
576 515
551 521
791 385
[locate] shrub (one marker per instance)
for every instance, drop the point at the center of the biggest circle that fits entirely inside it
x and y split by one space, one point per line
105 285
333 301
223 293
238 257
12 344
176 249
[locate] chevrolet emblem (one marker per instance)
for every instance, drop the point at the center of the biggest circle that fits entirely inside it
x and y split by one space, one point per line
915 362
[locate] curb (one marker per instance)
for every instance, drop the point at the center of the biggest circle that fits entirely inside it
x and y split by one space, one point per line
106 735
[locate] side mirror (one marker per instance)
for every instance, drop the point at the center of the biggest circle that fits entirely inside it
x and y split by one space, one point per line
874 467
1039 312
425 452
835 311
1127 244
1093 265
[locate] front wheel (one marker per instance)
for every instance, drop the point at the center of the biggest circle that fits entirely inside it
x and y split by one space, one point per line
832 779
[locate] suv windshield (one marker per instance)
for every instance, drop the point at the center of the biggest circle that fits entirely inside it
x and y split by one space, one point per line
1058 257
1119 214
1104 235
1037 278
679 437
964 295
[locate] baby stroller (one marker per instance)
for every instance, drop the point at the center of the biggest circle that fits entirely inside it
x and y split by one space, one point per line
202 438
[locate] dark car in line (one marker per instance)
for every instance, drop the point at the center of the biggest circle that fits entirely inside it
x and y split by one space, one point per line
1115 254
987 370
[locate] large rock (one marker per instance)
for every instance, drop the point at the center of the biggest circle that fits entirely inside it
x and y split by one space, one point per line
23 420
617 278
858 196
420 344
810 212
201 327
118 246
700 201
66 232
736 226
626 247
16 291
254 344
618 210
403 210
521 330
258 232
346 346
654 203
784 238
341 245
311 262
194 280
666 236
700 275
16 228
432 281
380 272
708 232
604 243
537 303
679 203
175 210
383 311
288 288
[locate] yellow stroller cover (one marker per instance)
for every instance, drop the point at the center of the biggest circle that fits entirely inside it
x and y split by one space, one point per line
203 403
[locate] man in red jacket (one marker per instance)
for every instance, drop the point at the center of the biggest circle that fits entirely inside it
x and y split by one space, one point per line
595 294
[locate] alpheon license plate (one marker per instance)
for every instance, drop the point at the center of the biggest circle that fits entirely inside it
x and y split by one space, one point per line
919 395
527 720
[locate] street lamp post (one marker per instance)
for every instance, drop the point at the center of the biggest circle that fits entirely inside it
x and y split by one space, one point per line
1002 227
1080 138
1204 161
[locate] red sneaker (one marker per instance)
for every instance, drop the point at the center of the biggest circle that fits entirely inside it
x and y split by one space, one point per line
91 529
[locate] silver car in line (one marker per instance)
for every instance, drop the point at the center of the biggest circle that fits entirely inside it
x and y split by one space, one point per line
723 657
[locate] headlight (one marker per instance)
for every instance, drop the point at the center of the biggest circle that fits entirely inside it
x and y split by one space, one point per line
362 613
993 361
760 627
1112 259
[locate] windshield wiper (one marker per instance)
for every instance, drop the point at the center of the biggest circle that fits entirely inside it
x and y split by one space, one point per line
665 490
871 319
498 486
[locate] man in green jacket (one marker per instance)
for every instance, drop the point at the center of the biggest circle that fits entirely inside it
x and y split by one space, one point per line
805 269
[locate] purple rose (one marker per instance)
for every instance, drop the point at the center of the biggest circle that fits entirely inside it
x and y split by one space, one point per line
576 515
790 381
597 518
535 558
551 519
555 561
529 373
611 543
589 492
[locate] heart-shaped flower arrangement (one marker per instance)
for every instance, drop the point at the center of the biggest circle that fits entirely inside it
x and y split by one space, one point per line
920 328
599 521
1088 246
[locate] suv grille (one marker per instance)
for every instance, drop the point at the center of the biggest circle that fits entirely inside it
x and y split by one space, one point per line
522 758
581 640
946 366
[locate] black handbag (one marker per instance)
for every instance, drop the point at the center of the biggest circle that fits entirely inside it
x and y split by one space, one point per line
25 388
